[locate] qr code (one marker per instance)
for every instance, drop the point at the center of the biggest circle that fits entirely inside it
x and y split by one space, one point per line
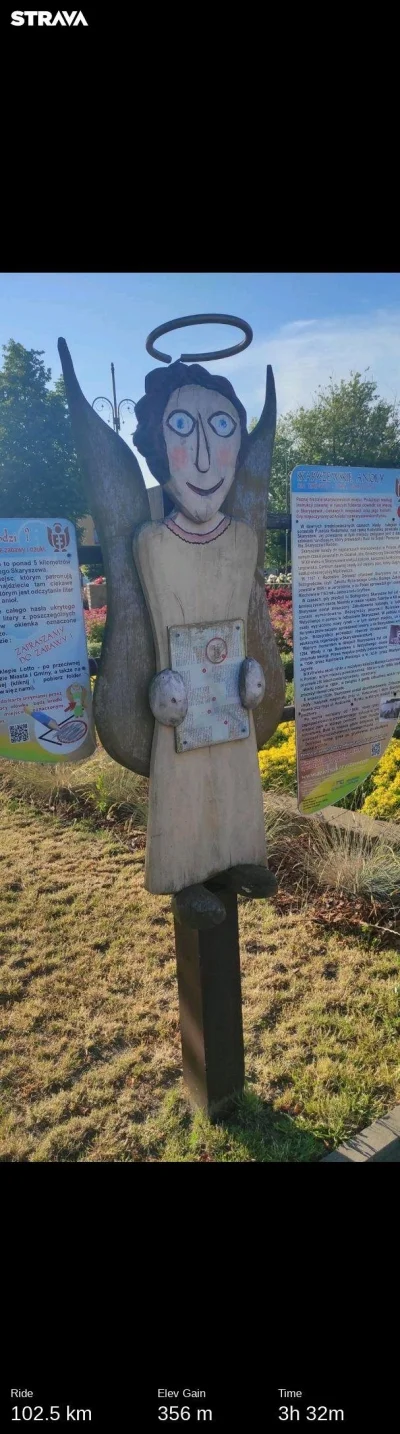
376 749
19 733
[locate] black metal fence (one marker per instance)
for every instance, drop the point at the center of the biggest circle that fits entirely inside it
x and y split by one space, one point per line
283 521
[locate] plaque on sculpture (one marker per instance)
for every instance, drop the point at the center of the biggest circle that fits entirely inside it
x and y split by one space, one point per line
208 659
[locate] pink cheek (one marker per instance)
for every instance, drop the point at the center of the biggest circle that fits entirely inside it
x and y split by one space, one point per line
178 457
225 457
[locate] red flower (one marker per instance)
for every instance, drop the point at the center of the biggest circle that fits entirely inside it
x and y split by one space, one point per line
281 614
274 595
95 614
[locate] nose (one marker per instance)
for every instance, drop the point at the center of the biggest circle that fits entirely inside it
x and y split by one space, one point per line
203 451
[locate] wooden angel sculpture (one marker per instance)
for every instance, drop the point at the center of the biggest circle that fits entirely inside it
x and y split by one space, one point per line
202 565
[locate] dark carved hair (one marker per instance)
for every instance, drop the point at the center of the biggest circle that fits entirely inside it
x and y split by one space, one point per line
159 385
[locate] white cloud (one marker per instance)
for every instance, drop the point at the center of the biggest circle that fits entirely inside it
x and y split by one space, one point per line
307 352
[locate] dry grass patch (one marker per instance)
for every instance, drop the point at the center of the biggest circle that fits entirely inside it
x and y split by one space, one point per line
91 1059
87 992
96 788
323 867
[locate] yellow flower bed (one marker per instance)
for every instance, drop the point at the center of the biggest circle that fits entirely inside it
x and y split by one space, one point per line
277 761
384 800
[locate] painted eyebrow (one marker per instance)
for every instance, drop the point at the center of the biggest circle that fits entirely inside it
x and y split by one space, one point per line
178 408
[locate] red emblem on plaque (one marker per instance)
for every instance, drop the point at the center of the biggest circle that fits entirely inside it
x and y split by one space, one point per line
216 649
58 537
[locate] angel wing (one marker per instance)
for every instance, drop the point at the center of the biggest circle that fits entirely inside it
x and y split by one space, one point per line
247 502
118 502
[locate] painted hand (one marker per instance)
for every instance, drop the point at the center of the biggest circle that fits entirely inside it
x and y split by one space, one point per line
167 698
251 683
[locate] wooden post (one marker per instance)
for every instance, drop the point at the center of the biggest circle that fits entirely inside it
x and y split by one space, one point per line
210 1005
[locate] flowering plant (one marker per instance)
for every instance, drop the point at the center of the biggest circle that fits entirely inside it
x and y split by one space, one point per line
279 580
280 607
277 761
384 800
95 615
282 622
278 594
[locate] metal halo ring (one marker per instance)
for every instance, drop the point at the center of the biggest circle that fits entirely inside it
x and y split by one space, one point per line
200 319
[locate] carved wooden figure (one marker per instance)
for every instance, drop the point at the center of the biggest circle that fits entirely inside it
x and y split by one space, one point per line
201 567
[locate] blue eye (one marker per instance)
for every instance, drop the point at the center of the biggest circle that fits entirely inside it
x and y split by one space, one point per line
223 424
181 422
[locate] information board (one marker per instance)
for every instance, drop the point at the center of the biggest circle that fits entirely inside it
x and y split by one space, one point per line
45 692
209 660
346 625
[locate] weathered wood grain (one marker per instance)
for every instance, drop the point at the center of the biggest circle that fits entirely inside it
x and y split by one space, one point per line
117 500
247 502
205 805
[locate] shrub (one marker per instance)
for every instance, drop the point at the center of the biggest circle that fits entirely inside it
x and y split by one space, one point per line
287 660
282 622
94 648
95 621
278 594
281 614
378 796
277 761
384 799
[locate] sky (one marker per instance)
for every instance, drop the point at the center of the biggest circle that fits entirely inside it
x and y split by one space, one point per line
308 326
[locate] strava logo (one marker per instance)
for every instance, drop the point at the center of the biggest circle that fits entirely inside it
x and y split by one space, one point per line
45 17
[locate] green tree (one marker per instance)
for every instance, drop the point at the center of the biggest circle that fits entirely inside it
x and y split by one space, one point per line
348 423
39 469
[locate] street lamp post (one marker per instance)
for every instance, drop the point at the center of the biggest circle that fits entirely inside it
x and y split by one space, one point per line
115 409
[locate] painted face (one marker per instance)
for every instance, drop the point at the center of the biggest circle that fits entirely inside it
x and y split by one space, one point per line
202 434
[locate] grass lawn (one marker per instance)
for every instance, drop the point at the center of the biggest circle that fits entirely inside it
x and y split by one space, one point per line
91 1060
